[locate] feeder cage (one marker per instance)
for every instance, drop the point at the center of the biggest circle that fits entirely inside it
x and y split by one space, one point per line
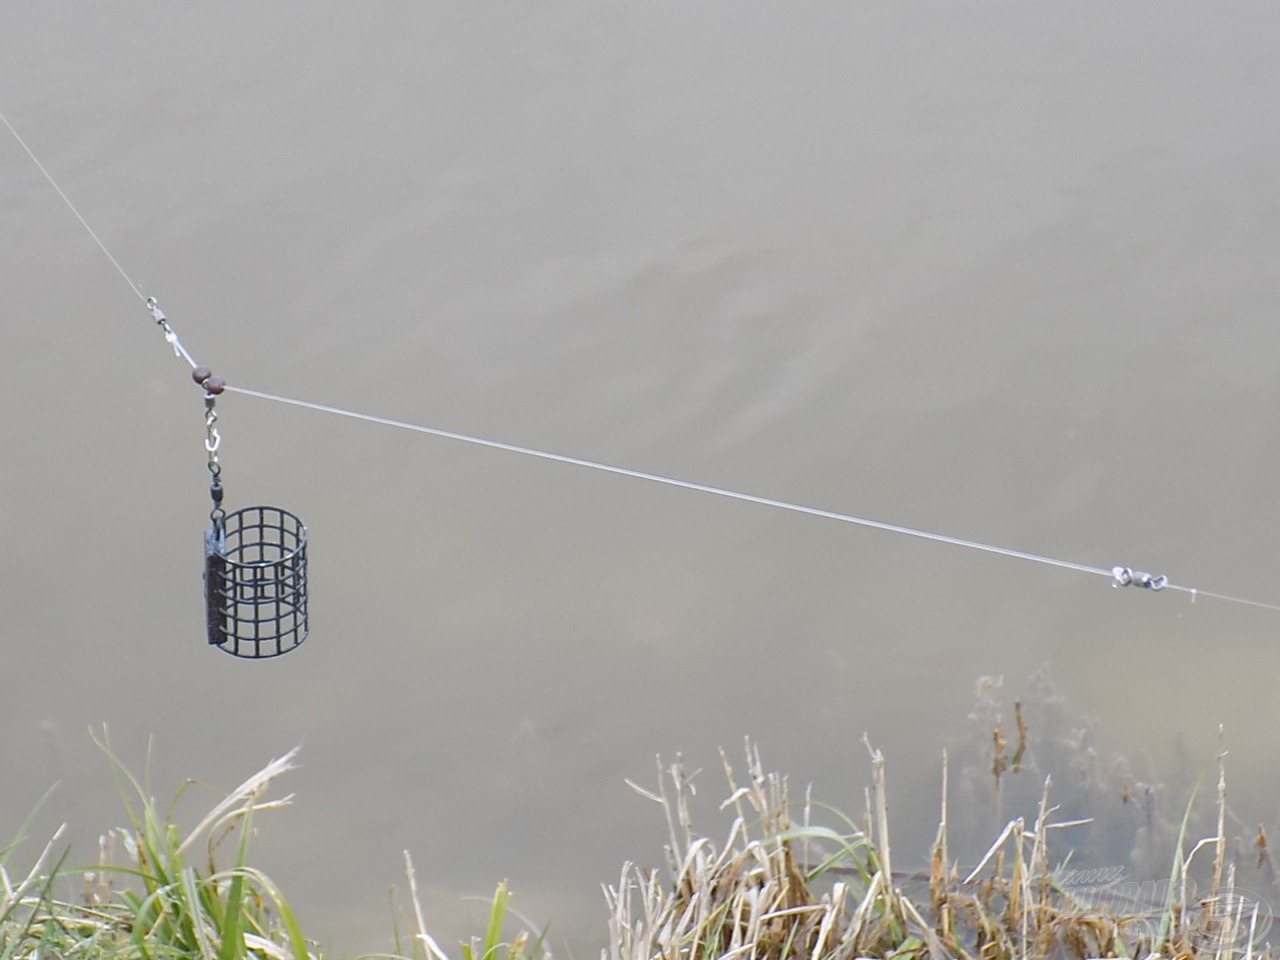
255 582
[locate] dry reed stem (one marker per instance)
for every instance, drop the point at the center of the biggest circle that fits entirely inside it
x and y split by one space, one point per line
234 805
749 898
422 936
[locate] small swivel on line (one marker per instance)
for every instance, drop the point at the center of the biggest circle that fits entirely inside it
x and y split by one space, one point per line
1128 577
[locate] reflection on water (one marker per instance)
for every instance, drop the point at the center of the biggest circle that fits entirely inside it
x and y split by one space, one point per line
1000 272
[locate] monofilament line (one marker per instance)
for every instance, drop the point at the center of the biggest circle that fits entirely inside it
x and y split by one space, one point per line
1109 573
150 302
675 482
72 207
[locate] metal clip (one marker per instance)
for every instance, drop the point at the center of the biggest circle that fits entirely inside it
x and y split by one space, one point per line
1128 577
213 439
155 310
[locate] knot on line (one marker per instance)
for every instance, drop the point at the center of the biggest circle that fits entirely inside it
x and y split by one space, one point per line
1128 577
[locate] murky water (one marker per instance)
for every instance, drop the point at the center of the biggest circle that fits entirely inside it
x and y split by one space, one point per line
1000 270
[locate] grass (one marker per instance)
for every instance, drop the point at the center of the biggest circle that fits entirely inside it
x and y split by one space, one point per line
164 903
171 900
790 879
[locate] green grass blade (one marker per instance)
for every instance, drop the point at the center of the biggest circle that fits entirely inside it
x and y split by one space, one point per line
1175 873
232 933
498 912
288 919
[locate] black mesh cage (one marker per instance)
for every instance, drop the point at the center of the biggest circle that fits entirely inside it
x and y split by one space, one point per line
255 582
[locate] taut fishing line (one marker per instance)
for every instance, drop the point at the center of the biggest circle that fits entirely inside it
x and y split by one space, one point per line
1120 576
255 558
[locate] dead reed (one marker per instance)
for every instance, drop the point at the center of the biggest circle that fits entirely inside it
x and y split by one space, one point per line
780 886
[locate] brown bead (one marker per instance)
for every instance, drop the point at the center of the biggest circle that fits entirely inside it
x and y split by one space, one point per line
201 374
214 385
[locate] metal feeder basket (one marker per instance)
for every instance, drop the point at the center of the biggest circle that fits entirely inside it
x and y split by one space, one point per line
255 582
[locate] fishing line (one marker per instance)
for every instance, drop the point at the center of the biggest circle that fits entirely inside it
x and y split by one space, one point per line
675 482
72 207
1119 575
150 302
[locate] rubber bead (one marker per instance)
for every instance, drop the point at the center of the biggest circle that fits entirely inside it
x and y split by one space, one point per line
214 385
201 374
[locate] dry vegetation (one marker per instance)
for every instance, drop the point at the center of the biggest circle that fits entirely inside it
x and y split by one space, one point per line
783 883
780 886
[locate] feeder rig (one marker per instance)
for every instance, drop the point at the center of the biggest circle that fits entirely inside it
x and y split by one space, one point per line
255 558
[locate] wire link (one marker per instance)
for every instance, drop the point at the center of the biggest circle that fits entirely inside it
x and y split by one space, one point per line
213 439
